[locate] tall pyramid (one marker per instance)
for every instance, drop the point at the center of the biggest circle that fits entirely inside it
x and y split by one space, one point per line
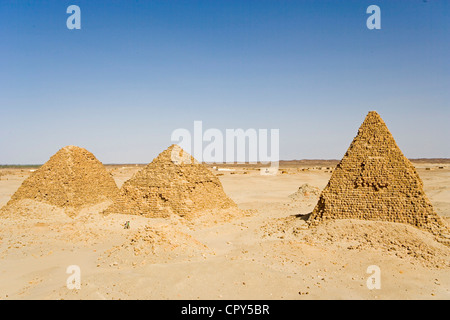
173 183
375 181
72 178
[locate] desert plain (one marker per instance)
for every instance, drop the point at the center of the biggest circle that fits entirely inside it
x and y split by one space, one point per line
267 252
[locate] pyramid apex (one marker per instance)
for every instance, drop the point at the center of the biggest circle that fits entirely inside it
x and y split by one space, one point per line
172 147
372 120
373 114
176 155
72 148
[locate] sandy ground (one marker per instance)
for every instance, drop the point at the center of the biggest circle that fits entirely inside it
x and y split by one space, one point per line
267 254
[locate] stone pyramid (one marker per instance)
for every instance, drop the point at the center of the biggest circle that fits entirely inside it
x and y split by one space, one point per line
375 181
173 183
72 178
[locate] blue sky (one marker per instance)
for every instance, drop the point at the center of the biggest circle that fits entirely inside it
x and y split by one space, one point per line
137 70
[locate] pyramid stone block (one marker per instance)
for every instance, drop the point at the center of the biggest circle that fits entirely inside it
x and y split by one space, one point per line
72 178
173 183
375 181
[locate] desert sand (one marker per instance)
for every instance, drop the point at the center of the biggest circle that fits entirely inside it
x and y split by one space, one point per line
267 253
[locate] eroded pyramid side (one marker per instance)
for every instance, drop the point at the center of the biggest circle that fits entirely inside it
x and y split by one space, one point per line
375 181
173 183
73 177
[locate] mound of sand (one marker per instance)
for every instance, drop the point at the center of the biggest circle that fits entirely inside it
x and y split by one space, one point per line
30 209
155 245
400 240
71 179
375 181
305 192
173 183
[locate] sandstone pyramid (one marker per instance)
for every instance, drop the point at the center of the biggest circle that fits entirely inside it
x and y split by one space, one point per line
375 181
72 178
173 183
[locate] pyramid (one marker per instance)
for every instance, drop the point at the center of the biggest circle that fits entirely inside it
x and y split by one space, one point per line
173 183
72 178
375 181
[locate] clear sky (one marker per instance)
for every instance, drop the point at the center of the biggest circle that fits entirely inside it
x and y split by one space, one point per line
137 70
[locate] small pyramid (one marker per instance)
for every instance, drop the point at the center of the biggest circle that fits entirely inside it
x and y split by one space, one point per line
173 183
375 181
72 178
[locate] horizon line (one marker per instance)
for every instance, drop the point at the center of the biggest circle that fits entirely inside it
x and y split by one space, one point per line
3 166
